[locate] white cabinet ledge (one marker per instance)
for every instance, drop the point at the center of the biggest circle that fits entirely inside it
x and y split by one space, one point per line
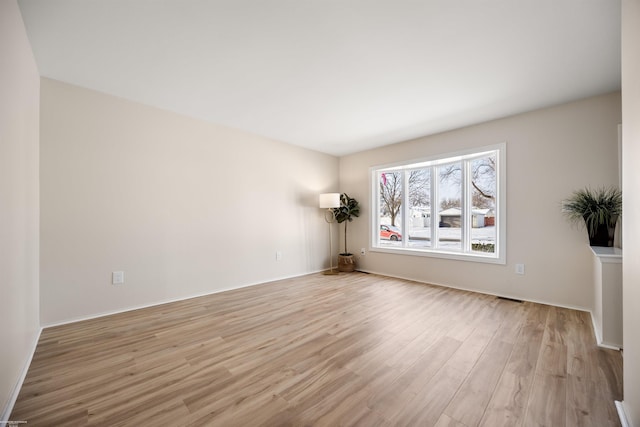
607 315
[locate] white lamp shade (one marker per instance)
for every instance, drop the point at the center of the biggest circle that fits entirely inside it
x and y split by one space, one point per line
330 200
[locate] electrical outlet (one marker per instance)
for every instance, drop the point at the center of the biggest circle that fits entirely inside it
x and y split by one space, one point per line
278 256
117 277
520 269
363 252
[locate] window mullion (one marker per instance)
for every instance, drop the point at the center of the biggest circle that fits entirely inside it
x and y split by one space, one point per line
433 206
466 222
435 194
406 214
378 198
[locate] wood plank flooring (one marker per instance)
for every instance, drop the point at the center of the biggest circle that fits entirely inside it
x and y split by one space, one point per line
353 349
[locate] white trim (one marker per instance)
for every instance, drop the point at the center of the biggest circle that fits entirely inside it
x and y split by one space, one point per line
6 413
479 291
168 301
597 338
599 341
607 254
595 329
622 414
427 252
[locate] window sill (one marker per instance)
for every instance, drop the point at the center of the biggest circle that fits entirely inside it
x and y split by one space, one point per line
441 254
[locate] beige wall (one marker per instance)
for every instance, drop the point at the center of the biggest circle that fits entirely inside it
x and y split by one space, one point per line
182 206
631 205
550 153
19 110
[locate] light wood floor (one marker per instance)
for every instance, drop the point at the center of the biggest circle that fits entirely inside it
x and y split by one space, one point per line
353 349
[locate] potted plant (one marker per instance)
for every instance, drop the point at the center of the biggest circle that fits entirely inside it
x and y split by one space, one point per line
349 208
599 209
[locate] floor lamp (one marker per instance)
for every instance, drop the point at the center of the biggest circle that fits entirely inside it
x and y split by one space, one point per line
329 201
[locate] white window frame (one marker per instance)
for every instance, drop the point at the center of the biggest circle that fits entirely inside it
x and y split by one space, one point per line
465 254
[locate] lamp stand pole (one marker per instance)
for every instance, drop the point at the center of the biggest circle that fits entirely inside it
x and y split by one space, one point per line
330 221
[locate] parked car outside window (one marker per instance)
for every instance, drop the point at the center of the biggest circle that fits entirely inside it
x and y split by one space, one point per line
390 232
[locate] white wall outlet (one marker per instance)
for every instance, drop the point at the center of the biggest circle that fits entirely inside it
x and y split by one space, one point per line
278 255
363 252
117 277
520 269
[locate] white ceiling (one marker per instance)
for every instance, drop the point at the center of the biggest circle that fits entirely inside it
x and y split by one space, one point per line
337 76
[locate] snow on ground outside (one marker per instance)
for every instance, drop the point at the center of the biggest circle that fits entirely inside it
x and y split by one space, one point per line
448 236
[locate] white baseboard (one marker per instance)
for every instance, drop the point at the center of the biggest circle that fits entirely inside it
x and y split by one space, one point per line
595 329
599 338
168 301
622 414
478 291
6 412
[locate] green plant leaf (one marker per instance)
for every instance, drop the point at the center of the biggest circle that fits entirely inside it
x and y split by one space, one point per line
349 208
597 207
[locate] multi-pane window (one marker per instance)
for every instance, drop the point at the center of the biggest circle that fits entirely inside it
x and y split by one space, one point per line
451 206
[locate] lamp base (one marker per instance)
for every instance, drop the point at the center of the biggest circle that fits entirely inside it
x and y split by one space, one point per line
331 272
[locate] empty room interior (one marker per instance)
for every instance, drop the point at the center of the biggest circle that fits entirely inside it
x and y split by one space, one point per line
318 213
